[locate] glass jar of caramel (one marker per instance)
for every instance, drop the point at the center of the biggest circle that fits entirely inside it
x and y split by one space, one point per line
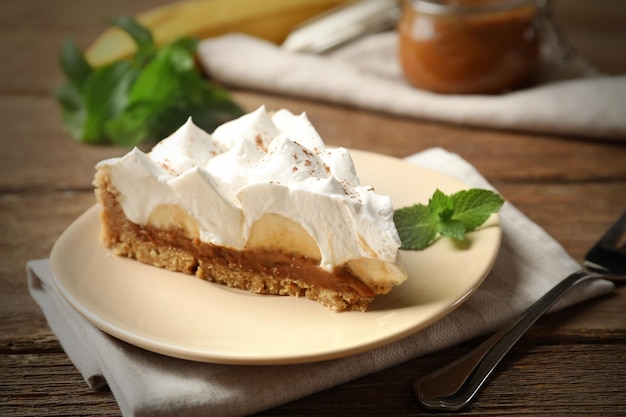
468 46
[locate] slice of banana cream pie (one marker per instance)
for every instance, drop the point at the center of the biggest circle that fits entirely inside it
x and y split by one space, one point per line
260 204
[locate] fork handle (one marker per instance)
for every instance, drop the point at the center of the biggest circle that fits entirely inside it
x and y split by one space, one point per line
454 385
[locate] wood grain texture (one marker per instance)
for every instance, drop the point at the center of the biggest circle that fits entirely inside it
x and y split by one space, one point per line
571 363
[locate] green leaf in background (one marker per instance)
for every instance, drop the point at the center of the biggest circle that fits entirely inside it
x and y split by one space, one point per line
453 216
142 37
72 108
105 96
146 98
74 65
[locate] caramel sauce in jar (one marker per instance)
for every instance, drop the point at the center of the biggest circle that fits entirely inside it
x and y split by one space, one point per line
468 46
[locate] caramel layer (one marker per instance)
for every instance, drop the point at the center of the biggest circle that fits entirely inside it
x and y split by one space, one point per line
278 264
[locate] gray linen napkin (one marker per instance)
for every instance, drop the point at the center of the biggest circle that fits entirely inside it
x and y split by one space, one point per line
566 99
148 384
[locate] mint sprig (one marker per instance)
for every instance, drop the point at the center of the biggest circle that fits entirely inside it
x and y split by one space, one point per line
452 215
146 98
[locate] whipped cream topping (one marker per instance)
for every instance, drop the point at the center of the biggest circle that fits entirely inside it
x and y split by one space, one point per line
259 164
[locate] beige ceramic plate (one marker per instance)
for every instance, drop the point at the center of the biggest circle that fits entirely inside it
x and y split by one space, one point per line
182 316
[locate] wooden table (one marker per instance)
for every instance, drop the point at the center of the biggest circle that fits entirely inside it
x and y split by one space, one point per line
572 362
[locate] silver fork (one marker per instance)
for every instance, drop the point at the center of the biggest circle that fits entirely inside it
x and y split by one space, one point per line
455 385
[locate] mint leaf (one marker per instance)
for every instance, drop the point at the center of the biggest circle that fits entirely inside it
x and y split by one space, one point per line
445 215
441 204
146 98
473 207
416 225
452 228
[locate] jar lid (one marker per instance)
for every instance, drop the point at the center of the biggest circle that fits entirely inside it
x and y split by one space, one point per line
463 7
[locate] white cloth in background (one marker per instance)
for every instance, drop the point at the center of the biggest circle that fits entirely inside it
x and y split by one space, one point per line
366 74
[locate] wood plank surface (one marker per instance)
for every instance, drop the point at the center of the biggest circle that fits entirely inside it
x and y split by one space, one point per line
571 363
